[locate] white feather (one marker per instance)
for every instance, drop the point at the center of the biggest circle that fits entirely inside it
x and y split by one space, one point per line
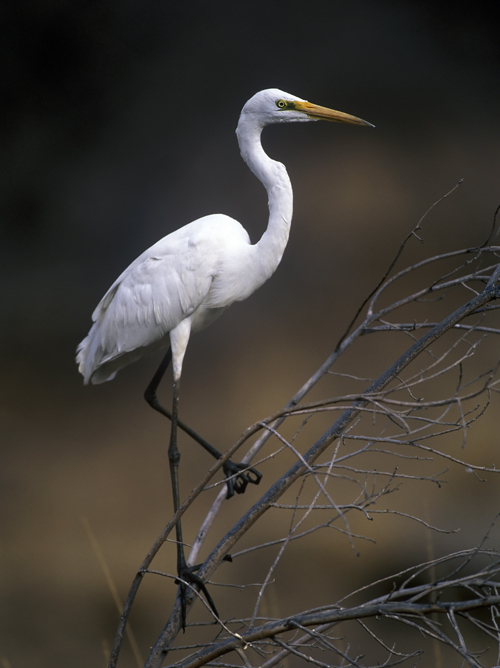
185 280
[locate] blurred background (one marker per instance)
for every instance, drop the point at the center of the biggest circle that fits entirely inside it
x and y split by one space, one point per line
117 127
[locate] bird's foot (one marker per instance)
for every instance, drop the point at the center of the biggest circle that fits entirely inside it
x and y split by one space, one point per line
187 576
238 477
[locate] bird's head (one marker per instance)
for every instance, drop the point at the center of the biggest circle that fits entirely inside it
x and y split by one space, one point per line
276 106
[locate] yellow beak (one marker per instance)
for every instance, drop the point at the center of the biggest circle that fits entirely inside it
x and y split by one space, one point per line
325 114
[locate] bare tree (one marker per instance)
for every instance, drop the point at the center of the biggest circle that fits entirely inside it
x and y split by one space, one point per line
332 463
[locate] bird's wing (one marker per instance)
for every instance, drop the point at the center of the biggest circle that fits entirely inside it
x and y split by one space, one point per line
162 287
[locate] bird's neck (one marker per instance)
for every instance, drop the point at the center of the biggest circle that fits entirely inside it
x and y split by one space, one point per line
274 177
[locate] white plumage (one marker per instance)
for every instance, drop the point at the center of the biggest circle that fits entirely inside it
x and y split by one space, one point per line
185 280
173 282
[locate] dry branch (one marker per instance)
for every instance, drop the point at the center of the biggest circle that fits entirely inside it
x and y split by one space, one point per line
390 418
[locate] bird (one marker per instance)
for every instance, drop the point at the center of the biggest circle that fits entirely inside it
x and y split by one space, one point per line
186 280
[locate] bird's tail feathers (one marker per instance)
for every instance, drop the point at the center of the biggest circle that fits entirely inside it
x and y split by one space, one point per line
91 357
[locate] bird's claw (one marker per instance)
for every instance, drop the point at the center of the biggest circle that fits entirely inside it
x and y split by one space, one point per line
187 574
238 477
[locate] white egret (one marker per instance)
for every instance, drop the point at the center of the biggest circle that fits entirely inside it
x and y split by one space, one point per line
186 280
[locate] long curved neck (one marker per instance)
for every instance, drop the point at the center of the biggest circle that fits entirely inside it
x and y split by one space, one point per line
274 177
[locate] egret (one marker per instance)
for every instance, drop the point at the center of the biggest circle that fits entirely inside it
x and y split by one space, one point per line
186 280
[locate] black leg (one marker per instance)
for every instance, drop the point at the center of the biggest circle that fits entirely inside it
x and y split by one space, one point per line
185 573
238 475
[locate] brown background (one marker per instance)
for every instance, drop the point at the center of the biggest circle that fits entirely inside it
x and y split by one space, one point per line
118 127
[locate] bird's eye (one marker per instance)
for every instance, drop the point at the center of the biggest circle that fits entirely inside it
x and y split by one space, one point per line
281 104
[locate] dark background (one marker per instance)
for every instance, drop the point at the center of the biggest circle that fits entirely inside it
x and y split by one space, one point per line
117 127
